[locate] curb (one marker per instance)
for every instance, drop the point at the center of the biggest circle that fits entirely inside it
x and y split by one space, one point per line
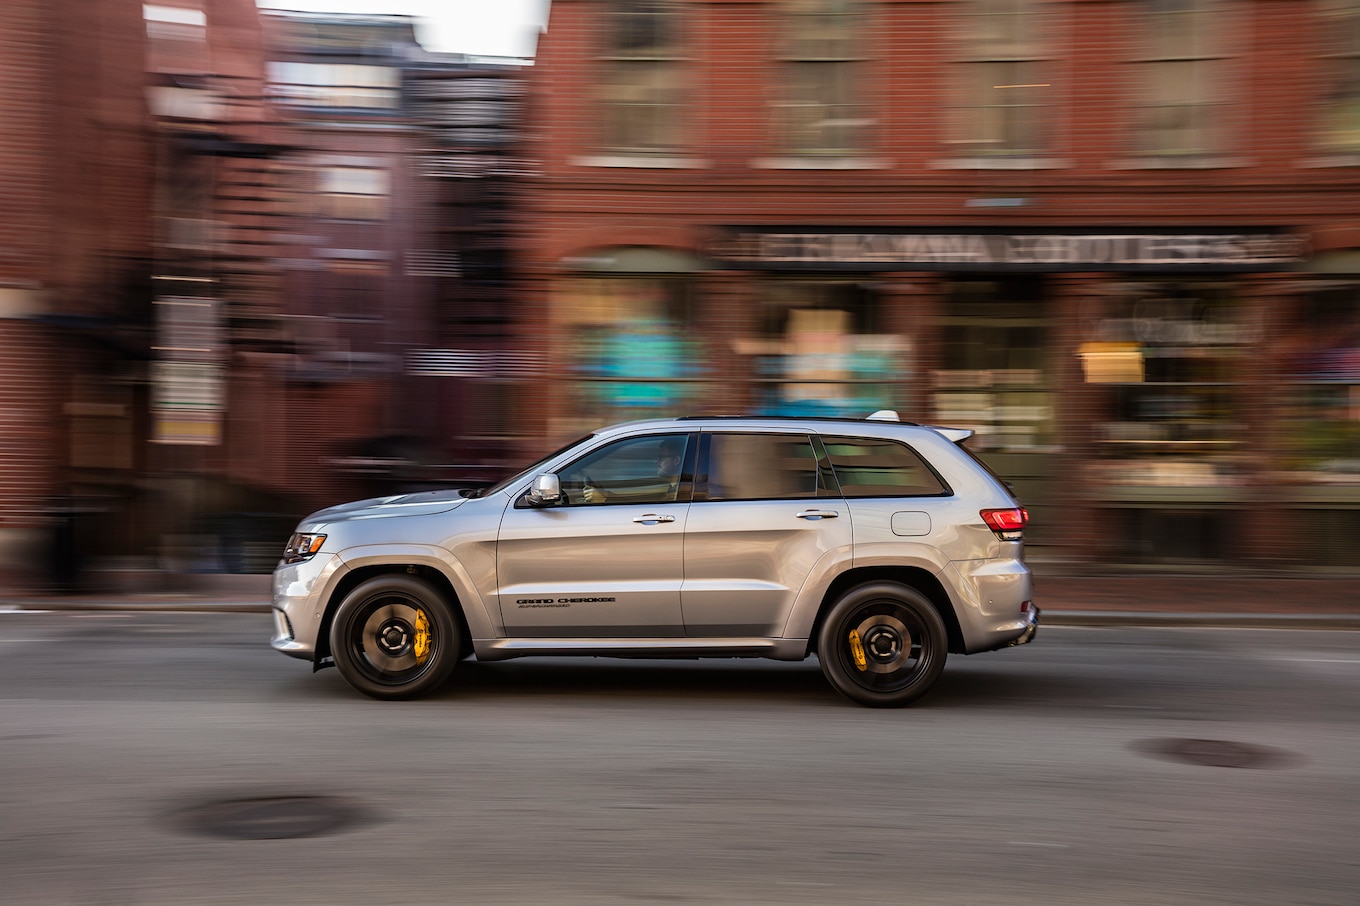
168 606
1095 618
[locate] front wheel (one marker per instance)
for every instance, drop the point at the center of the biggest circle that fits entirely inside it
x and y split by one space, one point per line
882 645
394 637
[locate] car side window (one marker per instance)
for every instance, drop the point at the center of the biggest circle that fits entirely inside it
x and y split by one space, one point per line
762 467
650 469
871 467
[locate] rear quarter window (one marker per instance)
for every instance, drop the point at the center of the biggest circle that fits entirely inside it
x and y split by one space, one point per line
872 467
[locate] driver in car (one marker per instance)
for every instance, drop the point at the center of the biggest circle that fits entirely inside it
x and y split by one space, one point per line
660 490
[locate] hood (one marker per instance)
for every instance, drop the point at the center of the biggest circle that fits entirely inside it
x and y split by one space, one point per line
425 503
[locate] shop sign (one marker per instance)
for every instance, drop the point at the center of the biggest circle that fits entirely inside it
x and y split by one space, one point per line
1062 251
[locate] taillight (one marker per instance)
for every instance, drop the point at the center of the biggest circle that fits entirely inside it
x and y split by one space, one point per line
1008 525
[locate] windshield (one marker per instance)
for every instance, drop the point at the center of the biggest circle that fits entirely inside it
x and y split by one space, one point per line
527 470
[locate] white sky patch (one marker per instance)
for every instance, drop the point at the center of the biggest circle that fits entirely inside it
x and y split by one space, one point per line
501 28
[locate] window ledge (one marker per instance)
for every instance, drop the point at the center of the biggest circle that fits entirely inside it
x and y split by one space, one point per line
800 162
1001 163
1180 162
638 161
1339 159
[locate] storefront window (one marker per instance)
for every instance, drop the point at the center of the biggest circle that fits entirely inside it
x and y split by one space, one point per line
1167 355
821 350
629 342
1323 433
995 378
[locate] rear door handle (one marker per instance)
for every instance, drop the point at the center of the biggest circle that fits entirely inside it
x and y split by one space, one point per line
653 519
818 514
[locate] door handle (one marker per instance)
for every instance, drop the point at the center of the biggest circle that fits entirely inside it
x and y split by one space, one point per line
653 519
818 514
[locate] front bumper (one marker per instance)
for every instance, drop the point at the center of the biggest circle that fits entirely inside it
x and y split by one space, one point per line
285 641
299 599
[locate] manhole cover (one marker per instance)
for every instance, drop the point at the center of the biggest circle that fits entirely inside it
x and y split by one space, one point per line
270 818
1217 753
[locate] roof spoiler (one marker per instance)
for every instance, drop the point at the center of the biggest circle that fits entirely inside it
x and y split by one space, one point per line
957 435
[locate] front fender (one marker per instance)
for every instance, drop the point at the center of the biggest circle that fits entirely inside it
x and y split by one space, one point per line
482 623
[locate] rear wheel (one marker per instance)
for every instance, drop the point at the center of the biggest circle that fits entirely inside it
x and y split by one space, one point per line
882 645
394 637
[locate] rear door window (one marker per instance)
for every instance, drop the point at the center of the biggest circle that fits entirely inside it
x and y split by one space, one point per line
762 467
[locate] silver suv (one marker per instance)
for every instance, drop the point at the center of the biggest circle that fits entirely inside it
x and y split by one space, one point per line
876 545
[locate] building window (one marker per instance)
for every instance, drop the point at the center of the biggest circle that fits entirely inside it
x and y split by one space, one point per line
1339 119
821 350
335 85
1002 87
352 193
1180 76
818 110
643 77
995 377
628 342
1167 355
1322 436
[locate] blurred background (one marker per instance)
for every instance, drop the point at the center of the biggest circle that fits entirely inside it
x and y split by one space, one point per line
254 262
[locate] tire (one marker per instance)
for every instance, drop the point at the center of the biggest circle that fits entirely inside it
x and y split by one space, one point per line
376 638
901 639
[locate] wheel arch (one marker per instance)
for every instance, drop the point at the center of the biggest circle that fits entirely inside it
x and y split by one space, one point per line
356 577
912 577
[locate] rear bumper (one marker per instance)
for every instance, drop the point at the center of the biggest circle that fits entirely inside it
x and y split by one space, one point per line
1031 629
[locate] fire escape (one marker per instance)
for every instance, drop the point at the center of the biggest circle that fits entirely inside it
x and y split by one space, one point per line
470 120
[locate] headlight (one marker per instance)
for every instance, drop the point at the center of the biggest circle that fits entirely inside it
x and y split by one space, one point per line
302 546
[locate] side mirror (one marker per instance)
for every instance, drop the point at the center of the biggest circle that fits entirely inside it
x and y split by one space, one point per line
545 490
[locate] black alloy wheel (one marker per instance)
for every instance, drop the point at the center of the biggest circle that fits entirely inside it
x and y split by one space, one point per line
394 637
882 645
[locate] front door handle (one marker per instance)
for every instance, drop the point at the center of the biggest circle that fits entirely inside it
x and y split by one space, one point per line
653 519
818 514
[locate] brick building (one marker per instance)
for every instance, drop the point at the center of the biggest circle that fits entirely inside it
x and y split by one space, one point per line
239 253
1119 239
75 251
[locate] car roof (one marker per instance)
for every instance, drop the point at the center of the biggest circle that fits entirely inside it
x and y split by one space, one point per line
883 419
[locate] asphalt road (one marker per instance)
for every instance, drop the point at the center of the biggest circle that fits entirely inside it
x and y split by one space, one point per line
162 758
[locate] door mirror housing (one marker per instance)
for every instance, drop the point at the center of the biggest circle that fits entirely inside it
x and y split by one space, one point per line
545 491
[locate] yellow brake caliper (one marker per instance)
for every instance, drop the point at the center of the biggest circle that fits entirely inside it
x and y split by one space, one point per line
422 643
857 649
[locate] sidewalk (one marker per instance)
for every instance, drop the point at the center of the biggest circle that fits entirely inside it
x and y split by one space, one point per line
1315 603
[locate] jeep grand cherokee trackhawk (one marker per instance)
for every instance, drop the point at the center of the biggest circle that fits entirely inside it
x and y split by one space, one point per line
878 546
